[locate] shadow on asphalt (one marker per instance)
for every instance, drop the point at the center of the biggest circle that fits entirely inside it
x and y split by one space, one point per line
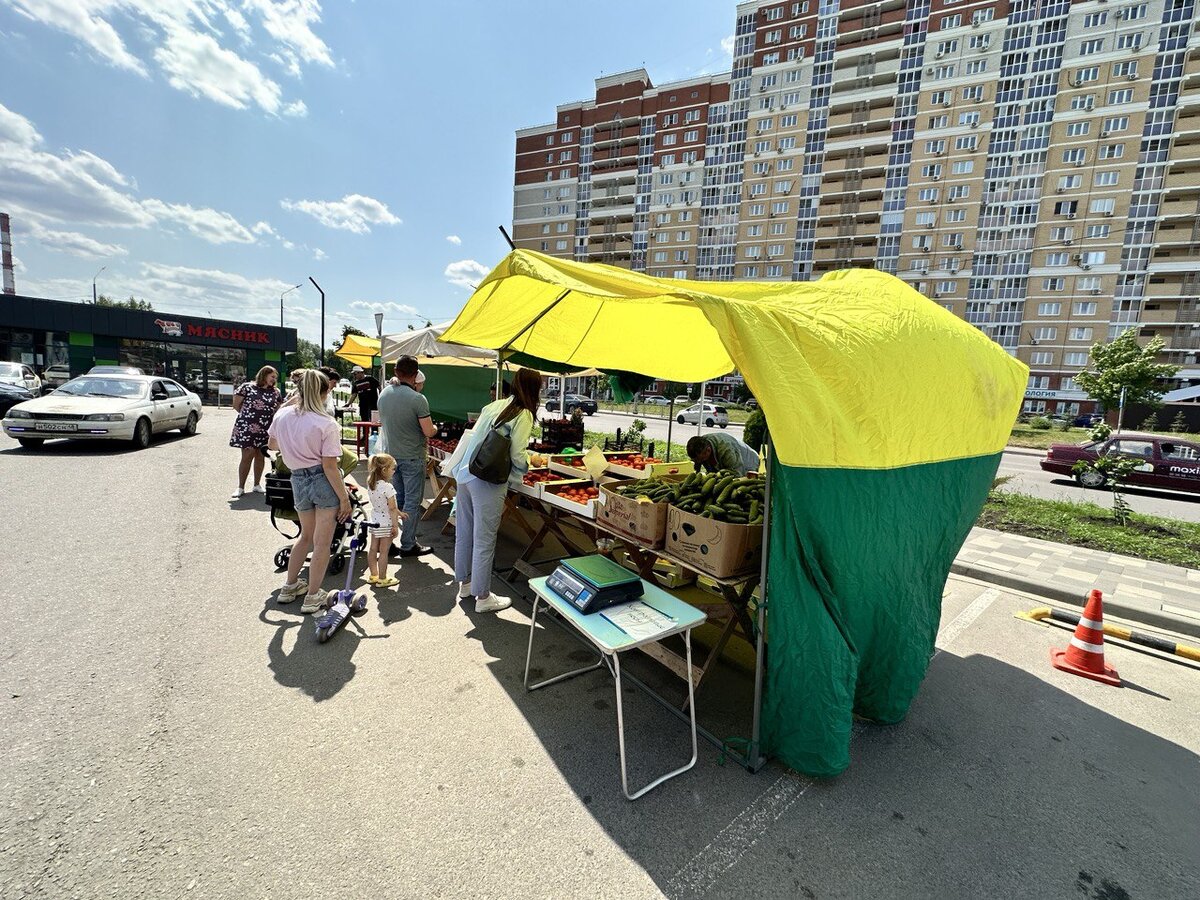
84 447
1135 491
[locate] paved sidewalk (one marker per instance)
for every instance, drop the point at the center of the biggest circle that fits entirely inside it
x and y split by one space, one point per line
1145 592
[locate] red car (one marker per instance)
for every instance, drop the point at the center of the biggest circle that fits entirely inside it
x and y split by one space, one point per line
1167 462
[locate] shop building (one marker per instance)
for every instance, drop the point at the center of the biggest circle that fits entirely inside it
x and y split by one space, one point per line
62 340
1033 168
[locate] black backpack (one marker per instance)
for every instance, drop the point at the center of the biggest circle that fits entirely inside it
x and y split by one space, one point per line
493 460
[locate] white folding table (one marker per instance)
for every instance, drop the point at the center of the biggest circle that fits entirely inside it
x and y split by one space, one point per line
673 616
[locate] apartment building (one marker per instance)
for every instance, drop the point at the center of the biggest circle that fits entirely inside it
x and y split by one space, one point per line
1032 166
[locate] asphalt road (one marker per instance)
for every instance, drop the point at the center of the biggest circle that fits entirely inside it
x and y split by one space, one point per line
1030 479
169 729
656 428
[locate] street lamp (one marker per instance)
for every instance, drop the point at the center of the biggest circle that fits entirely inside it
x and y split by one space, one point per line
281 296
94 277
379 331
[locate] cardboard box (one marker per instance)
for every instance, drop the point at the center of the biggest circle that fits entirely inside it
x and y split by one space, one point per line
535 490
652 469
669 573
561 465
719 549
549 495
643 521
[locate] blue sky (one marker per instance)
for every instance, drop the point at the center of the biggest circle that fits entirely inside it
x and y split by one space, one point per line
212 153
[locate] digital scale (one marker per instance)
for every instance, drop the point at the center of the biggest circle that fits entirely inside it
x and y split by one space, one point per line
590 583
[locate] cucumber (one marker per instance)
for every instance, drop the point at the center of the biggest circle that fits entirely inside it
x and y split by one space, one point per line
754 506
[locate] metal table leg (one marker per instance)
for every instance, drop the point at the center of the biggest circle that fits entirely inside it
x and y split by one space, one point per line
621 727
529 654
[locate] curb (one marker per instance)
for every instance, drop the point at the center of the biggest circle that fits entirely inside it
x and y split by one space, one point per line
642 415
1025 451
1074 599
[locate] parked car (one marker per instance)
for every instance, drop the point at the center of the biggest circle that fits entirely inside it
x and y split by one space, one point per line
682 400
711 414
11 395
114 407
55 376
1166 462
21 375
751 403
586 405
115 370
656 400
1087 420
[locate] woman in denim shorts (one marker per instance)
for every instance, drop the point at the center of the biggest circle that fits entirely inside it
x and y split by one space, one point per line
311 444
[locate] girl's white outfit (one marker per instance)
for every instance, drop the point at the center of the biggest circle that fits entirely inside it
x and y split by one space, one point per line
381 516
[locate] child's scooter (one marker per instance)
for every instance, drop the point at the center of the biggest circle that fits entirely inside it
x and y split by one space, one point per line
344 604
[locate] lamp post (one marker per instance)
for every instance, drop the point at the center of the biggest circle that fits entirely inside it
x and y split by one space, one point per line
379 331
281 296
94 277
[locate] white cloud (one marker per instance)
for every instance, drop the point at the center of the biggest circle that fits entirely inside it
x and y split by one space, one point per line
187 39
74 243
263 228
389 306
454 239
466 273
80 189
727 45
354 212
319 254
296 109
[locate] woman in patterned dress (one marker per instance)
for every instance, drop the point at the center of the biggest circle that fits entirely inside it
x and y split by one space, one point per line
256 402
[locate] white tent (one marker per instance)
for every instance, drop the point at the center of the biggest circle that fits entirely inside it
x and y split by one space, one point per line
424 344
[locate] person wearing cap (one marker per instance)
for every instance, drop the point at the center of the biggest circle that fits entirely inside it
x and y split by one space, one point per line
721 451
366 388
406 427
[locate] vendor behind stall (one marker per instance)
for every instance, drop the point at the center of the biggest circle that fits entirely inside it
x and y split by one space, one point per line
366 389
721 451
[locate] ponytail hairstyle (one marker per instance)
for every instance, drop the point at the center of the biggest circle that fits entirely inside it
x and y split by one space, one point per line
527 385
313 388
376 466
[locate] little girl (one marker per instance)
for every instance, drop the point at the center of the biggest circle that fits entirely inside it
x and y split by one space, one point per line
385 517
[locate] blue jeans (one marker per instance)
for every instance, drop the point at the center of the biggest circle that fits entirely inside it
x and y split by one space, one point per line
409 482
311 489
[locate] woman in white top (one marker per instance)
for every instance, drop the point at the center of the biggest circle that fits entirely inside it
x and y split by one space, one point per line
480 503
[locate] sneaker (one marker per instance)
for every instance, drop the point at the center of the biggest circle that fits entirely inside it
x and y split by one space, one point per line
315 602
290 592
492 603
237 495
464 591
416 550
259 489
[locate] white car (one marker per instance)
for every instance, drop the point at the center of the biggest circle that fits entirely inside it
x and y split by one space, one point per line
712 415
656 400
116 407
22 376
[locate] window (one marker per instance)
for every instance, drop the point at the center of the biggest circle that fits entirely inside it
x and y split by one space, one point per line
775 250
928 194
1056 259
952 239
1083 101
1133 13
1078 129
963 166
1094 20
943 72
562 227
752 252
662 219
758 189
1052 285
947 287
669 140
679 273
797 31
568 136
1124 95
787 143
951 21
1116 123
969 118
774 271
945 48
690 137
1075 359
681 255
754 231
1104 205
670 119
1041 358
785 165
564 209
956 215
1171 451
690 157
973 94
1087 283
1130 41
940 98
921 242
682 236
1083 76
1097 231
774 13
666 178
565 156
933 171
977 66
685 216
1062 233
1070 181
788 121
761 168
980 41
1088 47
550 159
779 209
692 115
750 271
762 146
660 256
1045 333
661 237
1076 156
983 15
757 209
1049 309
1107 179
1094 257
773 37
784 186
549 140
1112 151
560 245
926 218
779 228
1128 69
667 159
935 148
1080 334
939 121
960 192
791 99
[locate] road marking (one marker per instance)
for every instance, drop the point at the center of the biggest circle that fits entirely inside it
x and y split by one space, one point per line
723 852
963 620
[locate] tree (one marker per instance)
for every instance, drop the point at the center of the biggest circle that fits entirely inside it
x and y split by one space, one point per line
1124 363
131 303
306 356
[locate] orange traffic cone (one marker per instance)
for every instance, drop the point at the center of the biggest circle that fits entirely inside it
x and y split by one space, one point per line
1085 654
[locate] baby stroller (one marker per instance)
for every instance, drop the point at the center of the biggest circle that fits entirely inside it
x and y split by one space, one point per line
283 509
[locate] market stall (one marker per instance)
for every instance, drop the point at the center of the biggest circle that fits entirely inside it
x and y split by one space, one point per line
888 416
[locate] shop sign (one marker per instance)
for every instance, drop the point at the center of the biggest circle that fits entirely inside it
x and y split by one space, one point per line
244 335
169 328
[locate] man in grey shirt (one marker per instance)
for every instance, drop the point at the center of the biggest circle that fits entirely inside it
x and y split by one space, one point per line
406 426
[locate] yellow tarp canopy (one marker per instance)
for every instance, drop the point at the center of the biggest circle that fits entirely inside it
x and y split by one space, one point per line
359 350
856 370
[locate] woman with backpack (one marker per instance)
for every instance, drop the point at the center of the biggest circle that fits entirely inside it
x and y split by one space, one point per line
483 475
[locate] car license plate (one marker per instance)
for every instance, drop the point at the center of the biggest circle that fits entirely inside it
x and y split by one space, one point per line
58 426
